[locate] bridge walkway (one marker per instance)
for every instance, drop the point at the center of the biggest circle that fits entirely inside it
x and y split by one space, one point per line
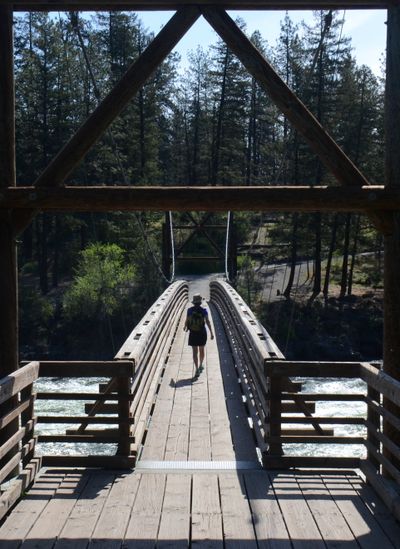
199 483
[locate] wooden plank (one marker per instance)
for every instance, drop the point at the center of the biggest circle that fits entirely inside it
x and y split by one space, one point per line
268 520
364 526
200 436
206 512
115 462
19 486
157 436
17 525
236 514
91 438
299 520
301 368
242 437
317 439
325 420
87 419
386 520
178 430
89 368
140 5
330 522
144 521
42 395
81 521
48 526
286 462
182 198
18 380
326 396
384 487
217 360
114 518
293 407
175 517
386 384
16 438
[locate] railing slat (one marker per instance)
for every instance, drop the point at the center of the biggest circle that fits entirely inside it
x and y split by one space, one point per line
18 380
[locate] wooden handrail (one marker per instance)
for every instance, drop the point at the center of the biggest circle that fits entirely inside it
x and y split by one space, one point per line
18 451
378 380
18 380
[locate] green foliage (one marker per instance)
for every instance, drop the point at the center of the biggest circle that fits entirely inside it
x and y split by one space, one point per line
36 316
103 281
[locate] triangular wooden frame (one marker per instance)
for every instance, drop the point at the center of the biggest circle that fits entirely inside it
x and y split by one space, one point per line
330 154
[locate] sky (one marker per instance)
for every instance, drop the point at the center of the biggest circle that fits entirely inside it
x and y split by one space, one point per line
366 28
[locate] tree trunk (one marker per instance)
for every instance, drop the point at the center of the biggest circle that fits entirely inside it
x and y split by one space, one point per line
345 262
332 246
353 255
293 258
218 130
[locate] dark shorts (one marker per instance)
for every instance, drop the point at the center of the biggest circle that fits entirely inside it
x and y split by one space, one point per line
198 339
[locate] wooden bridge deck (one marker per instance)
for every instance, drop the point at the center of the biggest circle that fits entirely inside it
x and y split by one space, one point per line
198 482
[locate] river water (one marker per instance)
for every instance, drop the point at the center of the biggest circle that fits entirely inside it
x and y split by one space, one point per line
328 409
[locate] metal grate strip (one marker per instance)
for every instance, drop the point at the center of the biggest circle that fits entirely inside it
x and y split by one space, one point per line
147 465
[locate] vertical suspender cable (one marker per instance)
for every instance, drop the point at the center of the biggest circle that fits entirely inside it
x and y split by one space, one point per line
172 246
228 228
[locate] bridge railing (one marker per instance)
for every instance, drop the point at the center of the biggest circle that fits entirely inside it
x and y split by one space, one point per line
149 346
252 347
118 413
76 420
94 428
376 429
17 442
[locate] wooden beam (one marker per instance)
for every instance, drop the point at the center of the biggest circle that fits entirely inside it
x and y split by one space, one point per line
8 270
150 5
114 103
95 368
299 199
391 343
8 249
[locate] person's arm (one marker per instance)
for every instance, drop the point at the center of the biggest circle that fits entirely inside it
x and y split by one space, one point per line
209 327
185 327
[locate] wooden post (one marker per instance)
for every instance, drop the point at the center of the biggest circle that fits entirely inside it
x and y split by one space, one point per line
8 254
275 413
374 420
124 445
391 347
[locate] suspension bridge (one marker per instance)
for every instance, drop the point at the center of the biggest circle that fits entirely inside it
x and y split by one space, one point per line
234 458
198 461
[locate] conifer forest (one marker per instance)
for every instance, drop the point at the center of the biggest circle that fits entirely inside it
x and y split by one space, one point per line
87 278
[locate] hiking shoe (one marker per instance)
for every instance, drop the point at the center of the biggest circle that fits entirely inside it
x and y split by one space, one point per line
201 368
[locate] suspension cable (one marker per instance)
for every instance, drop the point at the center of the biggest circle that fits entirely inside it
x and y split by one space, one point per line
228 228
172 246
75 25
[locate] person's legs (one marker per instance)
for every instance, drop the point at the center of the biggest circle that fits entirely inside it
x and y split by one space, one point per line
195 357
201 349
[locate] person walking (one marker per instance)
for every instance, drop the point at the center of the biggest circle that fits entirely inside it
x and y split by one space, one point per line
196 322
